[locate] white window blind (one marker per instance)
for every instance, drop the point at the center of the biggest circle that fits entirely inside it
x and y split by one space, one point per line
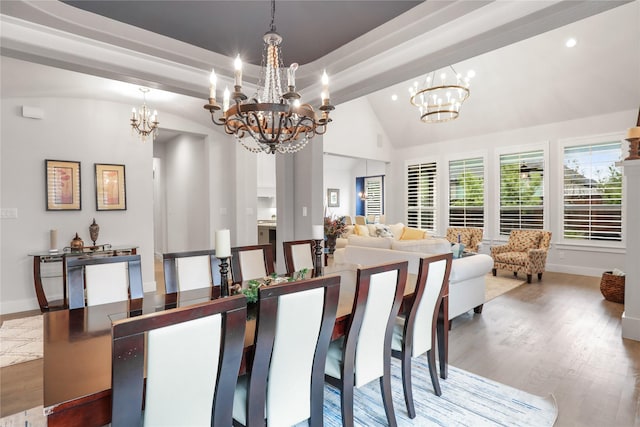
592 192
466 193
421 196
373 186
521 191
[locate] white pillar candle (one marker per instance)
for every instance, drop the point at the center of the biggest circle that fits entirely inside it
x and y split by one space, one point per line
53 239
318 232
223 243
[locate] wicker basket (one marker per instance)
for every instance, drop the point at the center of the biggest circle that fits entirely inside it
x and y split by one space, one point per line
612 287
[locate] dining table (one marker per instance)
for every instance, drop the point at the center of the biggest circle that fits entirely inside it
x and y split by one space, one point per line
77 347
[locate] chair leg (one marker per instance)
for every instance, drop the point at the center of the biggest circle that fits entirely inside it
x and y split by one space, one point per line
494 271
431 357
478 309
346 402
515 274
539 276
406 382
387 399
528 278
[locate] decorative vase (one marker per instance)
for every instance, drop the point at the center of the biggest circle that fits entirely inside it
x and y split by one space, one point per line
331 243
76 244
94 229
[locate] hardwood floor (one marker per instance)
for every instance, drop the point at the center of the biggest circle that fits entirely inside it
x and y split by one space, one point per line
557 336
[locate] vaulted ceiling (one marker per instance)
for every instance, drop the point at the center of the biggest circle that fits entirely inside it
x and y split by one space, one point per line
524 74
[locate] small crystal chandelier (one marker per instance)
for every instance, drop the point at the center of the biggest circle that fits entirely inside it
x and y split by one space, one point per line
363 194
441 97
276 122
145 123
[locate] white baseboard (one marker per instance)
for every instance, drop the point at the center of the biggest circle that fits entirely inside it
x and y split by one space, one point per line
630 327
574 269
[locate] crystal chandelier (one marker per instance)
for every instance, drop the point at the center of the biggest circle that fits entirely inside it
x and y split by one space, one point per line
144 123
442 96
271 121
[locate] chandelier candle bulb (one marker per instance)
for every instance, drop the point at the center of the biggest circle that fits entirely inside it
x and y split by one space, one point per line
238 71
325 85
223 243
213 79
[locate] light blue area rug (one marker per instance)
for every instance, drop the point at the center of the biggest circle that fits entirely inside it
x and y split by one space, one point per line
467 400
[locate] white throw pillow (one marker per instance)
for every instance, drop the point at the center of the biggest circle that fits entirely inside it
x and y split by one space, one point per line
396 230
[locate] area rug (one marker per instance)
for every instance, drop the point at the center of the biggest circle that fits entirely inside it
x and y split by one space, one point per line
20 340
467 400
498 285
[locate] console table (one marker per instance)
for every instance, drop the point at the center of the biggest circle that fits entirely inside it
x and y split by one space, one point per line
48 257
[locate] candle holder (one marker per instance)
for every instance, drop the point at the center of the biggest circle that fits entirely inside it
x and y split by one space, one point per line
224 277
317 269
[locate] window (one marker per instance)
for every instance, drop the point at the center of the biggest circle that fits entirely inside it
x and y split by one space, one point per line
373 187
421 196
466 193
592 193
521 191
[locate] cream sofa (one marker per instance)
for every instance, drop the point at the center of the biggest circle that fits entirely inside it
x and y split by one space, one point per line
466 281
383 236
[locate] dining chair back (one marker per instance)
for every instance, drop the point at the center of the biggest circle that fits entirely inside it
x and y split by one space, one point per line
299 254
286 380
415 331
94 280
190 270
361 220
365 352
191 356
251 262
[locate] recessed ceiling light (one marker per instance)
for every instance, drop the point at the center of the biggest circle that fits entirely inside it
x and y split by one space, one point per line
571 42
394 97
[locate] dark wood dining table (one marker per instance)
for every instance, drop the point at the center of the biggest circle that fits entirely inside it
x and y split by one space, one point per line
77 348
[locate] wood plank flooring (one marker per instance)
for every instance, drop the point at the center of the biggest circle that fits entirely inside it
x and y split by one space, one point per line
557 336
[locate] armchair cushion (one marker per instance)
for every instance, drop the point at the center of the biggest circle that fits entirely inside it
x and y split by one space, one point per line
523 240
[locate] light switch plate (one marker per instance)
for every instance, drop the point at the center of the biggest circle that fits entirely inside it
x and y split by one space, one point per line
9 213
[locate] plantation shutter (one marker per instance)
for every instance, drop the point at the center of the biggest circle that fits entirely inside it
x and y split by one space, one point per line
466 193
521 191
374 203
593 192
421 196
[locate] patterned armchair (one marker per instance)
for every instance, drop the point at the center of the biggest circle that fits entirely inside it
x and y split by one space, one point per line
470 237
525 252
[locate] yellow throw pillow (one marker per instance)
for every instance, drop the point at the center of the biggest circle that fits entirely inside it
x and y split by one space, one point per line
361 230
412 234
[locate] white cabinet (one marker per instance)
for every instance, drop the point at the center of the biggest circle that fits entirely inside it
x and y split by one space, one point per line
266 174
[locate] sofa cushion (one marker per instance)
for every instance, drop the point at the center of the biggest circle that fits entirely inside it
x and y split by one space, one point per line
412 234
428 246
370 242
470 266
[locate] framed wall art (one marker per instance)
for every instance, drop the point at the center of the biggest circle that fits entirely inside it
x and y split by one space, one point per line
111 186
62 181
333 197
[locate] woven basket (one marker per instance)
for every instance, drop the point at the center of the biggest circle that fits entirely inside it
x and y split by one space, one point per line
612 287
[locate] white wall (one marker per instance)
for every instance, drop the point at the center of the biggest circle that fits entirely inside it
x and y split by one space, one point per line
568 258
90 132
186 193
356 132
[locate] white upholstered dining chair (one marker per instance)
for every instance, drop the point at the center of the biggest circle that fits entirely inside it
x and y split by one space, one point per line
251 262
285 383
415 330
191 357
190 270
364 354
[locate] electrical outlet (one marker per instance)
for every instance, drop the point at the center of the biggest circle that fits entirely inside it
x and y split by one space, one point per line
9 213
